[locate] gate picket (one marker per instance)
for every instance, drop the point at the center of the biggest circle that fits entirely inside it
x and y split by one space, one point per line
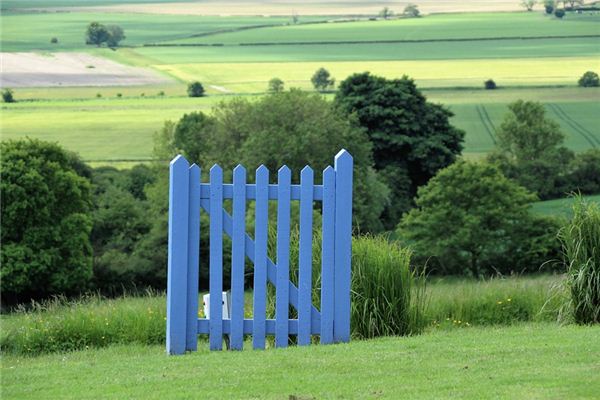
282 296
260 256
187 196
216 259
305 257
238 257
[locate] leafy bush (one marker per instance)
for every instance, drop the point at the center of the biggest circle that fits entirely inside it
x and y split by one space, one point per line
195 89
581 247
8 96
489 84
589 79
46 224
388 297
322 80
585 173
54 40
275 85
559 13
472 220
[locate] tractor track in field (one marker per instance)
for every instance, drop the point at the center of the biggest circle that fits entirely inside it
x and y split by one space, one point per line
577 127
486 121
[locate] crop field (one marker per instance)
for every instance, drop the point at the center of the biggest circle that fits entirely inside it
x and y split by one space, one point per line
560 206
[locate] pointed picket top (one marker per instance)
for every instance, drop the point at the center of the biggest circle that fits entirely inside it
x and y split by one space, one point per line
194 167
179 161
262 173
216 170
239 171
284 172
328 171
306 173
343 157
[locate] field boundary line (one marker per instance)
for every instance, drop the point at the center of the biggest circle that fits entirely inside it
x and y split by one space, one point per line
482 118
385 41
562 115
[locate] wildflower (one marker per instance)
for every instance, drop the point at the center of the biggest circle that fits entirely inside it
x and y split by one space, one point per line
499 302
508 299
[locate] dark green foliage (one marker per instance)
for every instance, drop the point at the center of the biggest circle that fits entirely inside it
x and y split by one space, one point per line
195 89
412 138
8 96
96 33
46 202
275 85
585 172
192 135
529 150
581 248
120 222
549 6
489 84
99 34
559 13
386 13
115 35
589 79
322 80
411 10
54 40
472 220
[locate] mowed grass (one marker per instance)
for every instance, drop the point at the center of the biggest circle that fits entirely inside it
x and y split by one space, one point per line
562 207
111 128
523 361
442 26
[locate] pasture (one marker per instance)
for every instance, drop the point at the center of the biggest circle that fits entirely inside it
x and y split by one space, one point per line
532 361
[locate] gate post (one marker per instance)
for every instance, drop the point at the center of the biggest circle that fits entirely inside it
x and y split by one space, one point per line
343 245
178 255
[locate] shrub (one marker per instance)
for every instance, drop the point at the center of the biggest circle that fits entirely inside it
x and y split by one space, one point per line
559 13
589 79
275 85
388 297
411 10
490 84
54 40
322 80
8 96
161 93
195 89
46 201
585 173
119 95
98 95
581 247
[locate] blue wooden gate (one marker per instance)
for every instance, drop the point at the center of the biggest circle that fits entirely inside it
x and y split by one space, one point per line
187 196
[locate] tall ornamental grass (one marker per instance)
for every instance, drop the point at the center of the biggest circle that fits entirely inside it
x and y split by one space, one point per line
581 247
388 297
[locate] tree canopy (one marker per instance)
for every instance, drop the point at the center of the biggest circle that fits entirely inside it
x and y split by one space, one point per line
412 138
46 223
473 220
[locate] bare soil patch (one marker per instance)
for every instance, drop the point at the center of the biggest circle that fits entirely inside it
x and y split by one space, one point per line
70 69
308 7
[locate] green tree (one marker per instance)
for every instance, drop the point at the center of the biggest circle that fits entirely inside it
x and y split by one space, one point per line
589 79
386 13
275 85
97 34
8 96
559 13
585 173
529 149
472 220
528 4
322 80
195 89
46 204
193 136
115 35
412 138
411 10
549 6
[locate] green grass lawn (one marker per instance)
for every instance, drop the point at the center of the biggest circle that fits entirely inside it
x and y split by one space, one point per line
559 206
523 361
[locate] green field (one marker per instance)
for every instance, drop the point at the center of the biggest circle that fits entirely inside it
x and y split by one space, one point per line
523 361
110 128
560 206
